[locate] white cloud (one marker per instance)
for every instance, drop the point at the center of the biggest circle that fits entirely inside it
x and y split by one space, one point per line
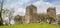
42 6
15 4
20 11
58 9
25 1
57 4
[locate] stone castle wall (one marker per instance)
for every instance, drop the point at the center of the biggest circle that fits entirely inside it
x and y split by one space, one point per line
31 15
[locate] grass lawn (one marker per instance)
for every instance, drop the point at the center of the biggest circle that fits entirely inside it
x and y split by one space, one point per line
34 25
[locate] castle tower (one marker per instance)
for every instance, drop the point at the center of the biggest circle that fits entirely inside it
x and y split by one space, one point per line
51 12
30 12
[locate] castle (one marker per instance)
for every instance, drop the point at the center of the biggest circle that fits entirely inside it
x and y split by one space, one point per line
31 15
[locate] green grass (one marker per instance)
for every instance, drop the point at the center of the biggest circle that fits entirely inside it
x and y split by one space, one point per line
32 25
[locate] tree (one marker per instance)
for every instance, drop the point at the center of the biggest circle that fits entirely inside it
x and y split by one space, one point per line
59 17
1 6
6 13
18 19
5 16
50 19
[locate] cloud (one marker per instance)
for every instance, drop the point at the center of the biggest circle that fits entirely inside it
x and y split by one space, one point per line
42 6
18 5
57 4
15 3
20 11
57 9
25 1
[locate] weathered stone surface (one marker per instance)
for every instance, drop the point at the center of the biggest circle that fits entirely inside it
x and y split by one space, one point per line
51 12
30 14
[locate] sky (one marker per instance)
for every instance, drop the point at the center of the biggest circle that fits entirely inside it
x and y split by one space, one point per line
19 6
